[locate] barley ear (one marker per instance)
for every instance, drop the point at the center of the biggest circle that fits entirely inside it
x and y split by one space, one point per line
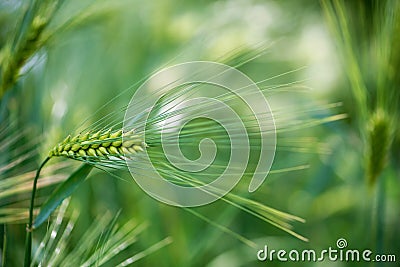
378 144
99 145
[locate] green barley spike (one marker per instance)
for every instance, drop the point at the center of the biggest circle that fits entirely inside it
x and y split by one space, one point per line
99 145
379 140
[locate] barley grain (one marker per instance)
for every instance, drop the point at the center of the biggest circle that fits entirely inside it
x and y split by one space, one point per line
100 145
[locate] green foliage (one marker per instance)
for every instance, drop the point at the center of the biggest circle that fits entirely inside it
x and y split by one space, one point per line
103 241
60 193
373 86
68 67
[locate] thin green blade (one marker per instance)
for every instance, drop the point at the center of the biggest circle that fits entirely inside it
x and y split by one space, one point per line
61 193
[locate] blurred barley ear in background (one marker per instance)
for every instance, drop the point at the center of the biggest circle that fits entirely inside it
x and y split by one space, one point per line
370 57
366 35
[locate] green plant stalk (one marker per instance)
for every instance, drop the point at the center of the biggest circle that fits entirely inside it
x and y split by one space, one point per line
3 258
380 213
28 240
336 16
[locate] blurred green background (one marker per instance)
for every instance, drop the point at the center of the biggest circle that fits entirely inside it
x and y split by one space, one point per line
98 49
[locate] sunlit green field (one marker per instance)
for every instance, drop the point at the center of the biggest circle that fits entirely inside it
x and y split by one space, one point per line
329 70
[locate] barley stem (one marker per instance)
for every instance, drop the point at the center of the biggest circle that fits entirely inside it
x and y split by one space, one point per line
28 244
4 254
380 216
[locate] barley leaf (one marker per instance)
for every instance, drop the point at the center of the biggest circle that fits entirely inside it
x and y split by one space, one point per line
62 192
